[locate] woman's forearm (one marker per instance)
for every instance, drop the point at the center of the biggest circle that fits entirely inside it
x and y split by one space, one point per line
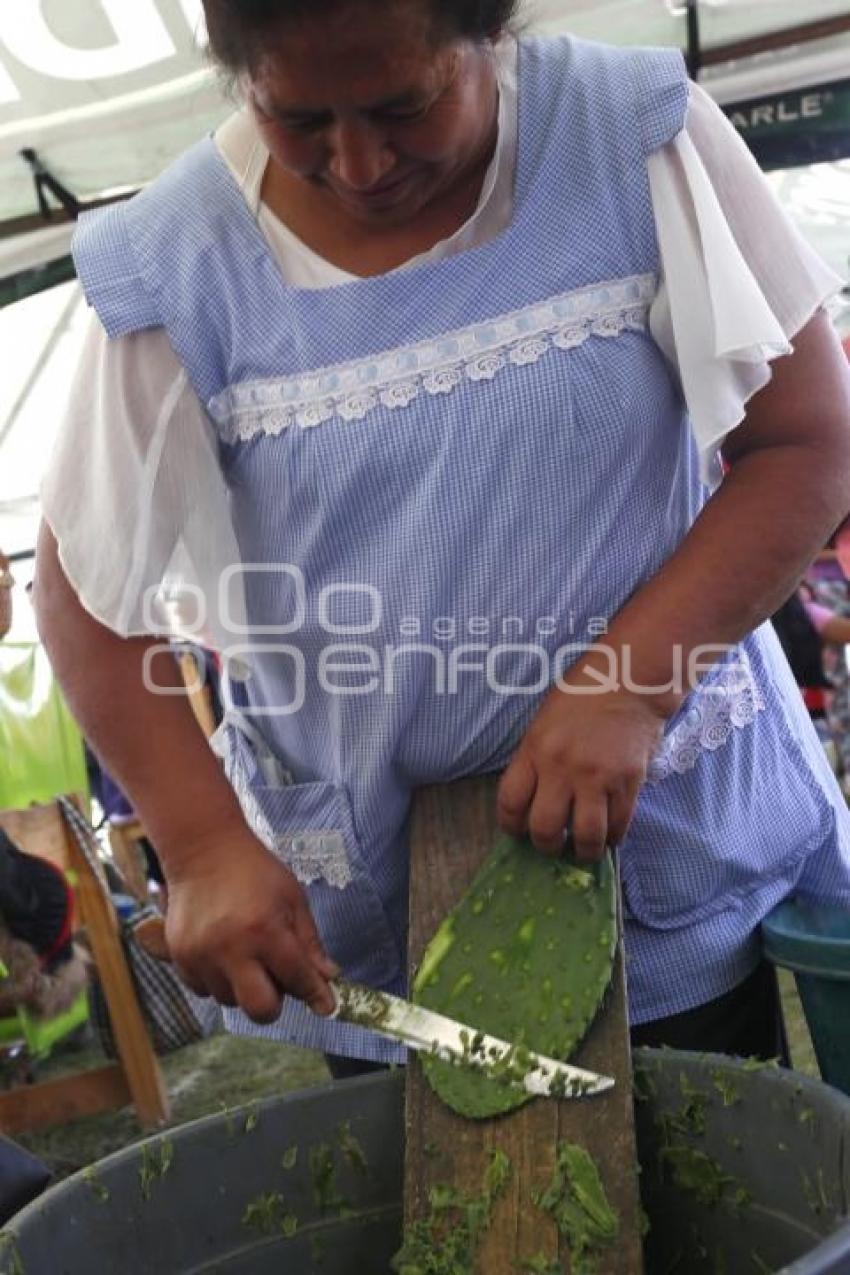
587 753
238 925
151 743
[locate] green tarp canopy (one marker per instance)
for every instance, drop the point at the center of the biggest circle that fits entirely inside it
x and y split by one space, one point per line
803 126
41 751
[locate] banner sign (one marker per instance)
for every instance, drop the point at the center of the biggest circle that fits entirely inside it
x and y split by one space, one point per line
787 130
107 92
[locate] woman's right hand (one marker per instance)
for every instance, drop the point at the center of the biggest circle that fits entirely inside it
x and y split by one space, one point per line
239 929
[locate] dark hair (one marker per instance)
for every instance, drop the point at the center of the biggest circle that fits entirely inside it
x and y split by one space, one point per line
237 27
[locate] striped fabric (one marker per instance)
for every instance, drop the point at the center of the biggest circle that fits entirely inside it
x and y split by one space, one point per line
436 490
167 1005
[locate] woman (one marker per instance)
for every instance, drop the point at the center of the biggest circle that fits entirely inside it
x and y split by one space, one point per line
414 339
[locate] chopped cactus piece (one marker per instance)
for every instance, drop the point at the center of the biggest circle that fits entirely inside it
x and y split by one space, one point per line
696 1172
531 973
352 1150
445 1242
439 946
576 1200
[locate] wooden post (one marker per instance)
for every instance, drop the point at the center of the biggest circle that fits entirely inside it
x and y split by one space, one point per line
200 698
453 829
138 1059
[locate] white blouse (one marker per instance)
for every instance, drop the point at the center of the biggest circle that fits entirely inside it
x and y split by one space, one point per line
738 282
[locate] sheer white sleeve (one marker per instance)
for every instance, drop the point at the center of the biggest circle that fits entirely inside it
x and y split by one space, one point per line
738 279
135 496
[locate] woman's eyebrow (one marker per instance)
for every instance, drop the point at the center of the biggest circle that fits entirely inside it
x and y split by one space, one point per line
399 100
412 97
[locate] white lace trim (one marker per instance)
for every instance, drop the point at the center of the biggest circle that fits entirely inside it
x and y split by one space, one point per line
350 391
311 855
731 702
316 856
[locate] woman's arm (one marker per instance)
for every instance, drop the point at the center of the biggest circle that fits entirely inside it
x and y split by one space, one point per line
238 922
586 755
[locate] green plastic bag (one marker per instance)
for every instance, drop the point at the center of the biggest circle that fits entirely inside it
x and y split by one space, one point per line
41 748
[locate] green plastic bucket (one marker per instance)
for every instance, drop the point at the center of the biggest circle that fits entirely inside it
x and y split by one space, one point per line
814 942
743 1171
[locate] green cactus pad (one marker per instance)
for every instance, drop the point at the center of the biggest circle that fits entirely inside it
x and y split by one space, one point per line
526 955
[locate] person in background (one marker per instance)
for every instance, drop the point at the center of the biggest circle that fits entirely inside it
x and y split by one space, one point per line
833 630
841 548
45 970
41 971
802 643
831 626
7 584
814 638
827 575
826 596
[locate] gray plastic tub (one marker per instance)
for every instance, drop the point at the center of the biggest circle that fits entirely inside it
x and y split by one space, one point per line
742 1171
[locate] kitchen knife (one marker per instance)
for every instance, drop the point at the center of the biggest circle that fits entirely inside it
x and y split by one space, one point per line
424 1030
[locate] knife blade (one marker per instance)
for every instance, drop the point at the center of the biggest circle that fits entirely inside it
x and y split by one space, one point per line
432 1033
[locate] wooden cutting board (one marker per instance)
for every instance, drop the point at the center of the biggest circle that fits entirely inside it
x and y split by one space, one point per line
453 829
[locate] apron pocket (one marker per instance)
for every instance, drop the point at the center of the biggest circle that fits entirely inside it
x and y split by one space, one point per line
310 828
742 818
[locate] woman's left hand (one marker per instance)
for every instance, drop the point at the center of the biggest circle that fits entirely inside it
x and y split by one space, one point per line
580 767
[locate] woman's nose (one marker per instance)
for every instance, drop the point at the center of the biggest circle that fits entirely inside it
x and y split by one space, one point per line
360 155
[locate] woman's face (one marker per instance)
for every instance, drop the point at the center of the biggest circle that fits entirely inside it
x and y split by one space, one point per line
367 108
